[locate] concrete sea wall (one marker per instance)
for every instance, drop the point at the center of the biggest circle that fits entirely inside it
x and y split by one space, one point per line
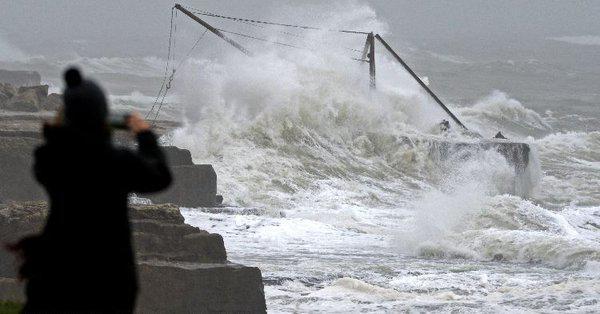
182 269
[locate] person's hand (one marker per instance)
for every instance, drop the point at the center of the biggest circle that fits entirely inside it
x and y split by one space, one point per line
137 124
58 119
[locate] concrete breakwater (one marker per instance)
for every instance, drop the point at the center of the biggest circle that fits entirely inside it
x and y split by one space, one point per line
28 98
194 185
182 269
20 78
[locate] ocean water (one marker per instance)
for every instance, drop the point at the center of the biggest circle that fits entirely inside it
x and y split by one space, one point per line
341 216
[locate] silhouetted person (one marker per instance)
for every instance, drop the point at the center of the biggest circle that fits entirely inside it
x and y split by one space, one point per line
83 260
444 126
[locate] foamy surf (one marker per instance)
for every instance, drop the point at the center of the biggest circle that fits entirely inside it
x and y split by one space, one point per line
351 219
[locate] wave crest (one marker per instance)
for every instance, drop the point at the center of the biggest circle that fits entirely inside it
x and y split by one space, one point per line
504 114
509 228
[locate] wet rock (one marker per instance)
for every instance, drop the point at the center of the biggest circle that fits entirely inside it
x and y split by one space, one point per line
7 91
20 78
498 258
193 186
27 99
26 102
160 233
53 102
166 213
200 247
211 244
175 230
182 269
16 221
41 91
177 156
17 182
11 289
225 288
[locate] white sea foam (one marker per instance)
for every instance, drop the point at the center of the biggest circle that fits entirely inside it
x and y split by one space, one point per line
586 40
573 177
592 268
507 228
354 288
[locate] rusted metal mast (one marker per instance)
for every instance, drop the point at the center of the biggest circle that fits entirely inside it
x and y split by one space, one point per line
416 77
365 51
371 55
213 30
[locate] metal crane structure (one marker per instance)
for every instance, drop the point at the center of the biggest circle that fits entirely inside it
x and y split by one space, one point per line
516 153
368 52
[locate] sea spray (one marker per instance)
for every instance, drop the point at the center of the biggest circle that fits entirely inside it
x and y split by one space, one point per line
463 190
306 126
573 179
290 137
499 112
507 228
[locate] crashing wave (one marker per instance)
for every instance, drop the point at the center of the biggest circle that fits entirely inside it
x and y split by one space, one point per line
507 228
500 112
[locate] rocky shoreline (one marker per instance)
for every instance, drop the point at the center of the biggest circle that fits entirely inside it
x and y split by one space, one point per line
182 269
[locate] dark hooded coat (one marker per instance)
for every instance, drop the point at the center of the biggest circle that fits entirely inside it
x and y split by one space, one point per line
84 259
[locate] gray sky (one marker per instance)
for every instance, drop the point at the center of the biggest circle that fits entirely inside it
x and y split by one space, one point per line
474 29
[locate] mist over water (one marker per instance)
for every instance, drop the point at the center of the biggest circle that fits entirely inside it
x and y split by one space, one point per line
339 211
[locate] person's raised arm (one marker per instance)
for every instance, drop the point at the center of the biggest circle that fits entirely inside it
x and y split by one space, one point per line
148 171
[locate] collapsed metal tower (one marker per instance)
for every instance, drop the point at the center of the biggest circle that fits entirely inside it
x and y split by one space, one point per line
368 52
